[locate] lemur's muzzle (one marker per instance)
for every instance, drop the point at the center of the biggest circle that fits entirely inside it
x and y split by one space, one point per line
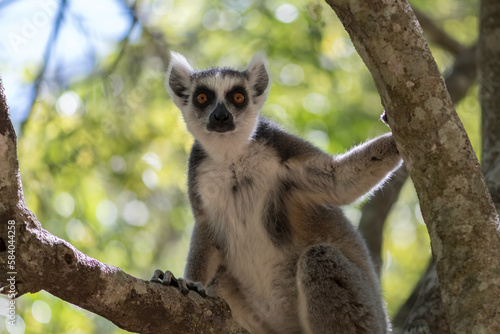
220 120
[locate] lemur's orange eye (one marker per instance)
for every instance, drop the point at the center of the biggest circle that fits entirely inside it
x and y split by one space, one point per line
238 98
202 98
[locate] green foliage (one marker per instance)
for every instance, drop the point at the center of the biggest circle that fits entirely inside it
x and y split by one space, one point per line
103 166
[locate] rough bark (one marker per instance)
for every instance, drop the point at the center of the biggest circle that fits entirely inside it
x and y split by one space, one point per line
415 315
43 261
489 94
458 81
460 216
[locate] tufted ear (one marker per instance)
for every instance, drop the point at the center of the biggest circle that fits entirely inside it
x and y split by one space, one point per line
258 74
178 78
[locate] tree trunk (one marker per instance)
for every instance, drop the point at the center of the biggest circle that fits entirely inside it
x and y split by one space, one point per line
489 94
423 312
455 203
375 212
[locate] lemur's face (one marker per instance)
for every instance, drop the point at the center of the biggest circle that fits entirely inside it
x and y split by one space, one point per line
219 101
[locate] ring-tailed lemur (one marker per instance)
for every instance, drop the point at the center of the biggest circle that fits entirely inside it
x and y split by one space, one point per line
269 237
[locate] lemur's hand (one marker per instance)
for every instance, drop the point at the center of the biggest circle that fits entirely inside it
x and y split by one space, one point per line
167 278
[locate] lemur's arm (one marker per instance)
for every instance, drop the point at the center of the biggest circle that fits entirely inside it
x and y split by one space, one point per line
203 257
202 263
343 179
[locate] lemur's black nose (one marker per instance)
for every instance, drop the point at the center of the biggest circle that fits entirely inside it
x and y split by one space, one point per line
220 120
221 114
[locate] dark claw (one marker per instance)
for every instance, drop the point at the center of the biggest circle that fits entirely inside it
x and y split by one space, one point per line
181 282
168 279
157 276
383 117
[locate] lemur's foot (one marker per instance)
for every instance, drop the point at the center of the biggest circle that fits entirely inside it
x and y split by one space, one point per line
168 279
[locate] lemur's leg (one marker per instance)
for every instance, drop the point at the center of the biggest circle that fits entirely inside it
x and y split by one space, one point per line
334 296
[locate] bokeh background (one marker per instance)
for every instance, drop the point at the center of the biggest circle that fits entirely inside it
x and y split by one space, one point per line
103 150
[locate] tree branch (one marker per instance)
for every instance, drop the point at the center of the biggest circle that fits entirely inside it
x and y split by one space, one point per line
458 81
427 314
46 58
463 74
157 37
43 261
438 155
374 215
437 35
400 318
125 41
489 92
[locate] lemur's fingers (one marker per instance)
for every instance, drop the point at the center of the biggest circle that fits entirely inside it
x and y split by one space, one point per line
183 285
157 276
168 278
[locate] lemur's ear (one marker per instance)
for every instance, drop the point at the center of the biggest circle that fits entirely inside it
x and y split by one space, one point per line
178 78
258 74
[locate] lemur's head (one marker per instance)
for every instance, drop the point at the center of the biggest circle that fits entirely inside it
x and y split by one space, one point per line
220 105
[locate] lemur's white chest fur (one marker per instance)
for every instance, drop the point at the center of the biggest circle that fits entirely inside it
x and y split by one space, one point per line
234 194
